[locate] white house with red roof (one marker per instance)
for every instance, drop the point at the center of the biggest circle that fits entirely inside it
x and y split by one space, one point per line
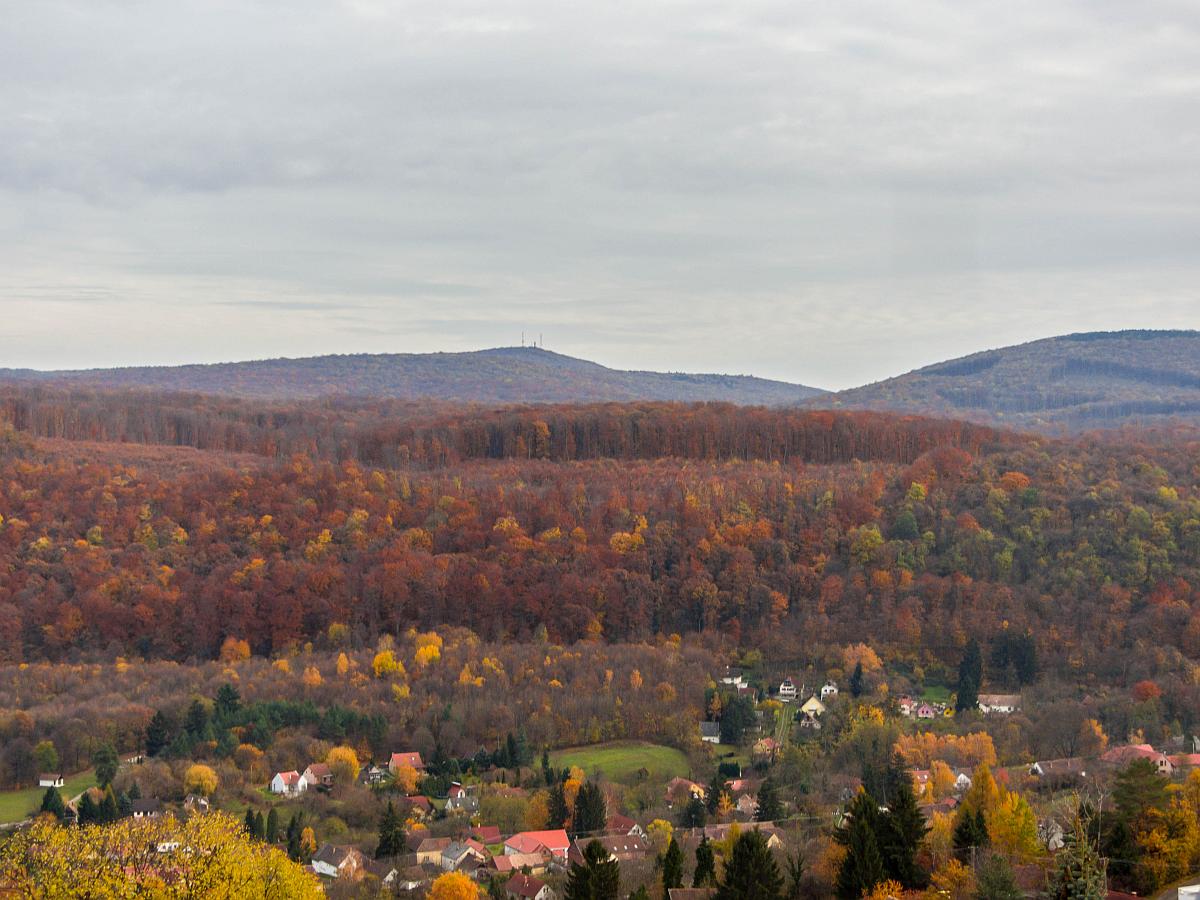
554 842
288 783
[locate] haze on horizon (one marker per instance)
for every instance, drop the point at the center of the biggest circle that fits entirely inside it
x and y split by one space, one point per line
825 194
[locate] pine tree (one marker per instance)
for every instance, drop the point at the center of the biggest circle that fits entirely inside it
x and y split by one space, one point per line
294 829
694 814
706 865
795 880
391 834
1078 874
970 678
52 802
995 880
260 829
272 833
196 721
158 733
672 867
124 805
862 868
248 823
751 872
769 808
547 772
135 791
598 878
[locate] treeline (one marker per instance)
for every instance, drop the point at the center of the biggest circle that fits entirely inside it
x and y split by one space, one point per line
396 433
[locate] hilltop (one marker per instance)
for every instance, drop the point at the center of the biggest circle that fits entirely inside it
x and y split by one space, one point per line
500 375
1072 382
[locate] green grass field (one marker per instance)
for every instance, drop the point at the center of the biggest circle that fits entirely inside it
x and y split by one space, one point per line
936 693
17 805
622 760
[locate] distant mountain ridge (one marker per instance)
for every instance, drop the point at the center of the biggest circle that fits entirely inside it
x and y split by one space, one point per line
1072 382
500 375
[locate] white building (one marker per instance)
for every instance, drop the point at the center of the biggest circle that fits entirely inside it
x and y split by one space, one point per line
288 783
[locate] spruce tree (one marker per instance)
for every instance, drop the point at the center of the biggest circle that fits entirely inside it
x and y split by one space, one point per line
970 678
248 822
857 684
272 833
391 834
109 812
557 806
104 758
260 829
706 865
547 772
227 702
862 868
751 872
52 802
970 830
158 733
715 788
591 810
598 878
88 812
672 867
903 829
1078 873
995 880
769 808
124 805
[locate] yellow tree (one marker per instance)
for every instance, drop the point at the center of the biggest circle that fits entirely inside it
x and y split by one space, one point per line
660 831
537 813
343 764
161 859
1012 828
941 780
200 779
453 886
405 779
343 664
954 880
984 795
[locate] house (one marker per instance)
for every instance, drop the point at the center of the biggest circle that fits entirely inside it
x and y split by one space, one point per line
1059 771
747 806
457 791
410 879
334 861
534 863
807 721
318 775
428 849
406 759
767 748
288 783
1185 760
829 690
1123 756
906 705
371 775
146 808
466 805
733 677
526 887
788 690
455 854
619 824
813 707
710 732
554 841
1003 704
194 803
681 789
620 847
962 780
925 711
720 832
50 780
419 806
385 872
486 834
920 779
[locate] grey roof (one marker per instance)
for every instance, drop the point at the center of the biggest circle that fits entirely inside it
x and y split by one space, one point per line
710 729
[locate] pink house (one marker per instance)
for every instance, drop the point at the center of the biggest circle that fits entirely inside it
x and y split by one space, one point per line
555 842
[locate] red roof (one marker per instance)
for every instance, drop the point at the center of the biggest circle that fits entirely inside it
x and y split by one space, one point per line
524 886
555 841
488 834
406 759
620 824
289 777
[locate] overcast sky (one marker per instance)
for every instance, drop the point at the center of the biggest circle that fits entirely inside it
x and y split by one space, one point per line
824 192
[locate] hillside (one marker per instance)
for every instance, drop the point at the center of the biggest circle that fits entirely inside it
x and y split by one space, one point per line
1073 382
501 375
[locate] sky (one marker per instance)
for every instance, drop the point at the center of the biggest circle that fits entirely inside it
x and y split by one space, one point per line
823 192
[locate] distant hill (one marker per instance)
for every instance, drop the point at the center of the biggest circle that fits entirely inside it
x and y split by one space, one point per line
502 375
1074 382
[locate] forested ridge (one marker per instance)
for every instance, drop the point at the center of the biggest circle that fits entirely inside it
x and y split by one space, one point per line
949 531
